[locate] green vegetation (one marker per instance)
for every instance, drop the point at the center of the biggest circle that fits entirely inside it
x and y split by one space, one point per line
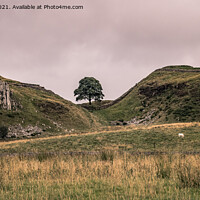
117 162
133 140
163 96
37 106
95 105
3 131
105 165
89 88
187 67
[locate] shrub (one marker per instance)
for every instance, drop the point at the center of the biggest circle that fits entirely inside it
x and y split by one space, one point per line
107 156
3 131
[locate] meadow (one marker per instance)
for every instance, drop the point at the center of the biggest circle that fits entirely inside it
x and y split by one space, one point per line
118 163
118 138
109 175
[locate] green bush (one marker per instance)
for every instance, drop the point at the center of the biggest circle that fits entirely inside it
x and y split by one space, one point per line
107 156
3 131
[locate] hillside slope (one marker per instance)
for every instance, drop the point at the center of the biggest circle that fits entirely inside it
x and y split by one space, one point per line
169 94
29 108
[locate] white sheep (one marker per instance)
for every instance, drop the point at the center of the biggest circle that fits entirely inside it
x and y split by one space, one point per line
181 135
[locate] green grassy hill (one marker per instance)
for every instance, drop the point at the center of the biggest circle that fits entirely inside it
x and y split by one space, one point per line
169 94
34 105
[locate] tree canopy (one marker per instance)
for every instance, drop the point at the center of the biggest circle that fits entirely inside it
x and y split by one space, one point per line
89 88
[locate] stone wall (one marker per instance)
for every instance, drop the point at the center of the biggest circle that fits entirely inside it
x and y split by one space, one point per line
33 86
179 70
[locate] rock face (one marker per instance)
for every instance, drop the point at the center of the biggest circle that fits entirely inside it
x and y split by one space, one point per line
145 120
18 131
5 100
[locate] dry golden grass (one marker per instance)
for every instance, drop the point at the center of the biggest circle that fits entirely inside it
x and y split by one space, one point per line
106 176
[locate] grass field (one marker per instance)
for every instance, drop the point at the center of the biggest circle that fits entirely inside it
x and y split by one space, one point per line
109 175
107 168
136 138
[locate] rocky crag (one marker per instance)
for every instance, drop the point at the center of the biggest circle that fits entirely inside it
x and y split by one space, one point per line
5 100
7 103
17 131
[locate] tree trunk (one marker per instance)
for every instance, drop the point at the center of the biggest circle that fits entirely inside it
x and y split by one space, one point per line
90 102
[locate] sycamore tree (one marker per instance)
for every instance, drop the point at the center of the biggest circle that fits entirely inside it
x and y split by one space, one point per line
89 88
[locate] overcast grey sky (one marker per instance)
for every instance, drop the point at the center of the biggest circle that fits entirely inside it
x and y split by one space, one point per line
117 42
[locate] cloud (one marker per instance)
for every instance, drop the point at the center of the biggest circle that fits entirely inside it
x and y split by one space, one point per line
118 43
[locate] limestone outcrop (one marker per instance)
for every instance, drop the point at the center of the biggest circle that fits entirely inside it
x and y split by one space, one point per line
18 131
5 100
